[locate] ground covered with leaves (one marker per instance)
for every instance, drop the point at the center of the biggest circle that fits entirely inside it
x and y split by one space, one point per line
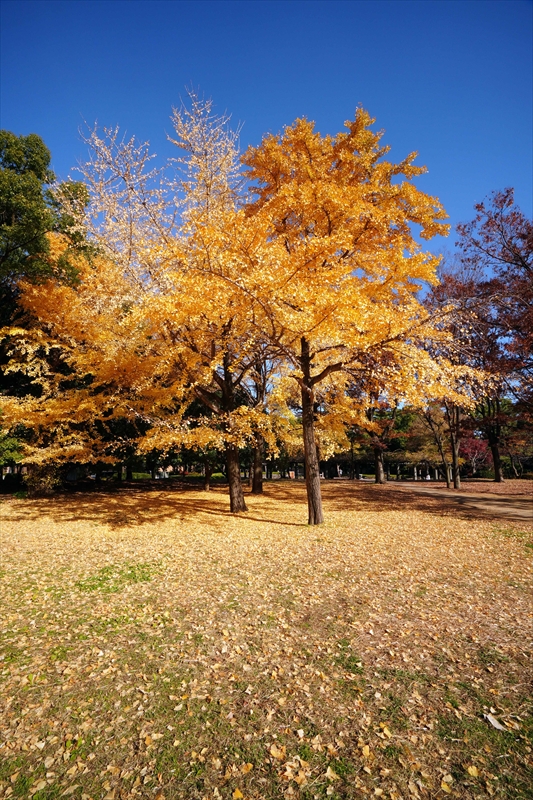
154 646
514 487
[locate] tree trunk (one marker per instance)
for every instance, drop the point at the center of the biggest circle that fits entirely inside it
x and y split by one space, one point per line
518 471
440 445
453 418
456 469
454 441
208 471
312 467
497 460
491 412
378 463
257 466
236 494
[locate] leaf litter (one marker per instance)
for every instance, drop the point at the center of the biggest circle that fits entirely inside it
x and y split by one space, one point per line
155 646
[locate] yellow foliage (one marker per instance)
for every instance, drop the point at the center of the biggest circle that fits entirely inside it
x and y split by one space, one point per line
215 308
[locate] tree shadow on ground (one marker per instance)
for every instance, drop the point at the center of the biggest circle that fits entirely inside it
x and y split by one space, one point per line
132 506
402 498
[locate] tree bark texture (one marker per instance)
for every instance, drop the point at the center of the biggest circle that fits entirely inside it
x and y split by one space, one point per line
379 465
497 461
236 494
208 471
453 414
257 466
312 467
494 435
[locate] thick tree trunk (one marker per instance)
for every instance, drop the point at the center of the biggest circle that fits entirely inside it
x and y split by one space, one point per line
257 466
312 467
456 469
208 471
236 494
491 412
497 460
378 463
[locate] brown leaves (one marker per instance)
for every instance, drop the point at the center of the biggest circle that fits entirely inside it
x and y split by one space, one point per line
215 642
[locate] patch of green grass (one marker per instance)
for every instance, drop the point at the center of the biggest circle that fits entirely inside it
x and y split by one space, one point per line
342 767
451 698
515 533
115 577
393 711
105 624
170 763
489 657
305 752
347 659
52 792
21 787
59 653
477 732
13 654
504 754
404 676
9 766
80 748
392 751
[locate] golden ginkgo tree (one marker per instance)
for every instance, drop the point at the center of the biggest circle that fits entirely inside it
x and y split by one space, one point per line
158 318
302 262
338 268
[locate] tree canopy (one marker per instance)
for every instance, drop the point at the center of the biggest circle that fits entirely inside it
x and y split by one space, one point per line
222 300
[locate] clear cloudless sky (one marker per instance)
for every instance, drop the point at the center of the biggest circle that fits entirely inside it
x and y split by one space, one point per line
450 79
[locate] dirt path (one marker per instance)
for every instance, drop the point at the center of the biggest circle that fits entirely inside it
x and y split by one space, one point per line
510 506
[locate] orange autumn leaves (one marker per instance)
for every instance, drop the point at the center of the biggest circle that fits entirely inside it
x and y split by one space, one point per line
200 281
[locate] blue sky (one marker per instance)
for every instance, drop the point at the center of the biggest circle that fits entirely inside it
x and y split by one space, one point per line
452 80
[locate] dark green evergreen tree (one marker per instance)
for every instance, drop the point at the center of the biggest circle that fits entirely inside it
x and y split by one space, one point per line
29 209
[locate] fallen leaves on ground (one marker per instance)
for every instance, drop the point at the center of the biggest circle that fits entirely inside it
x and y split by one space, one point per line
153 645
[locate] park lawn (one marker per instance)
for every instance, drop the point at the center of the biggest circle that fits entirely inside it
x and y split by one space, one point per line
155 646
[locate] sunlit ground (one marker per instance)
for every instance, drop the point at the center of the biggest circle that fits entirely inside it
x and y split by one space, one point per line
154 646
